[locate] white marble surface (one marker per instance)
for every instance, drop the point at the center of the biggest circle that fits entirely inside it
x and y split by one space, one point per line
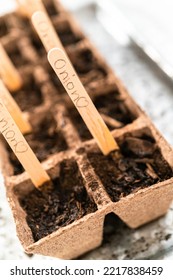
154 93
6 6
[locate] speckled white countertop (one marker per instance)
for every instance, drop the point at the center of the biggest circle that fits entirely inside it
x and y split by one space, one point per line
154 92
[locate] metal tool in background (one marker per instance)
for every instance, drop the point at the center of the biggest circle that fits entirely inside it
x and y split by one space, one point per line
125 33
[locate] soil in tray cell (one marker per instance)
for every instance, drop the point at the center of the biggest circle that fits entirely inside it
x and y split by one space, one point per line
140 166
45 140
51 210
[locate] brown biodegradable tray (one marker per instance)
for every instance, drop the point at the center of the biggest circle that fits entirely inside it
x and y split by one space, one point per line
87 185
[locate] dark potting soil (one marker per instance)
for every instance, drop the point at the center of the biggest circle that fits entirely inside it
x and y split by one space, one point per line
44 140
16 57
139 166
66 35
108 104
51 210
50 7
3 27
29 96
113 106
54 79
37 44
84 62
79 124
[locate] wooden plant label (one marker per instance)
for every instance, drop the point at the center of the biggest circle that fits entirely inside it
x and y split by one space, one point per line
28 7
21 9
14 109
8 72
72 84
20 147
46 31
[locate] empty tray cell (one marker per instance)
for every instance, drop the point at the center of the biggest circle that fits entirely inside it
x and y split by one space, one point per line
140 165
45 139
67 34
49 211
87 65
29 96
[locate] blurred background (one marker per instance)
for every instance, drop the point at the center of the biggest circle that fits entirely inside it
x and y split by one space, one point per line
136 39
151 19
144 27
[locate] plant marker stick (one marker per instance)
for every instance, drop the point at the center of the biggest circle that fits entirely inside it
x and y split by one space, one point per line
89 113
14 109
8 72
72 84
28 7
20 147
46 31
